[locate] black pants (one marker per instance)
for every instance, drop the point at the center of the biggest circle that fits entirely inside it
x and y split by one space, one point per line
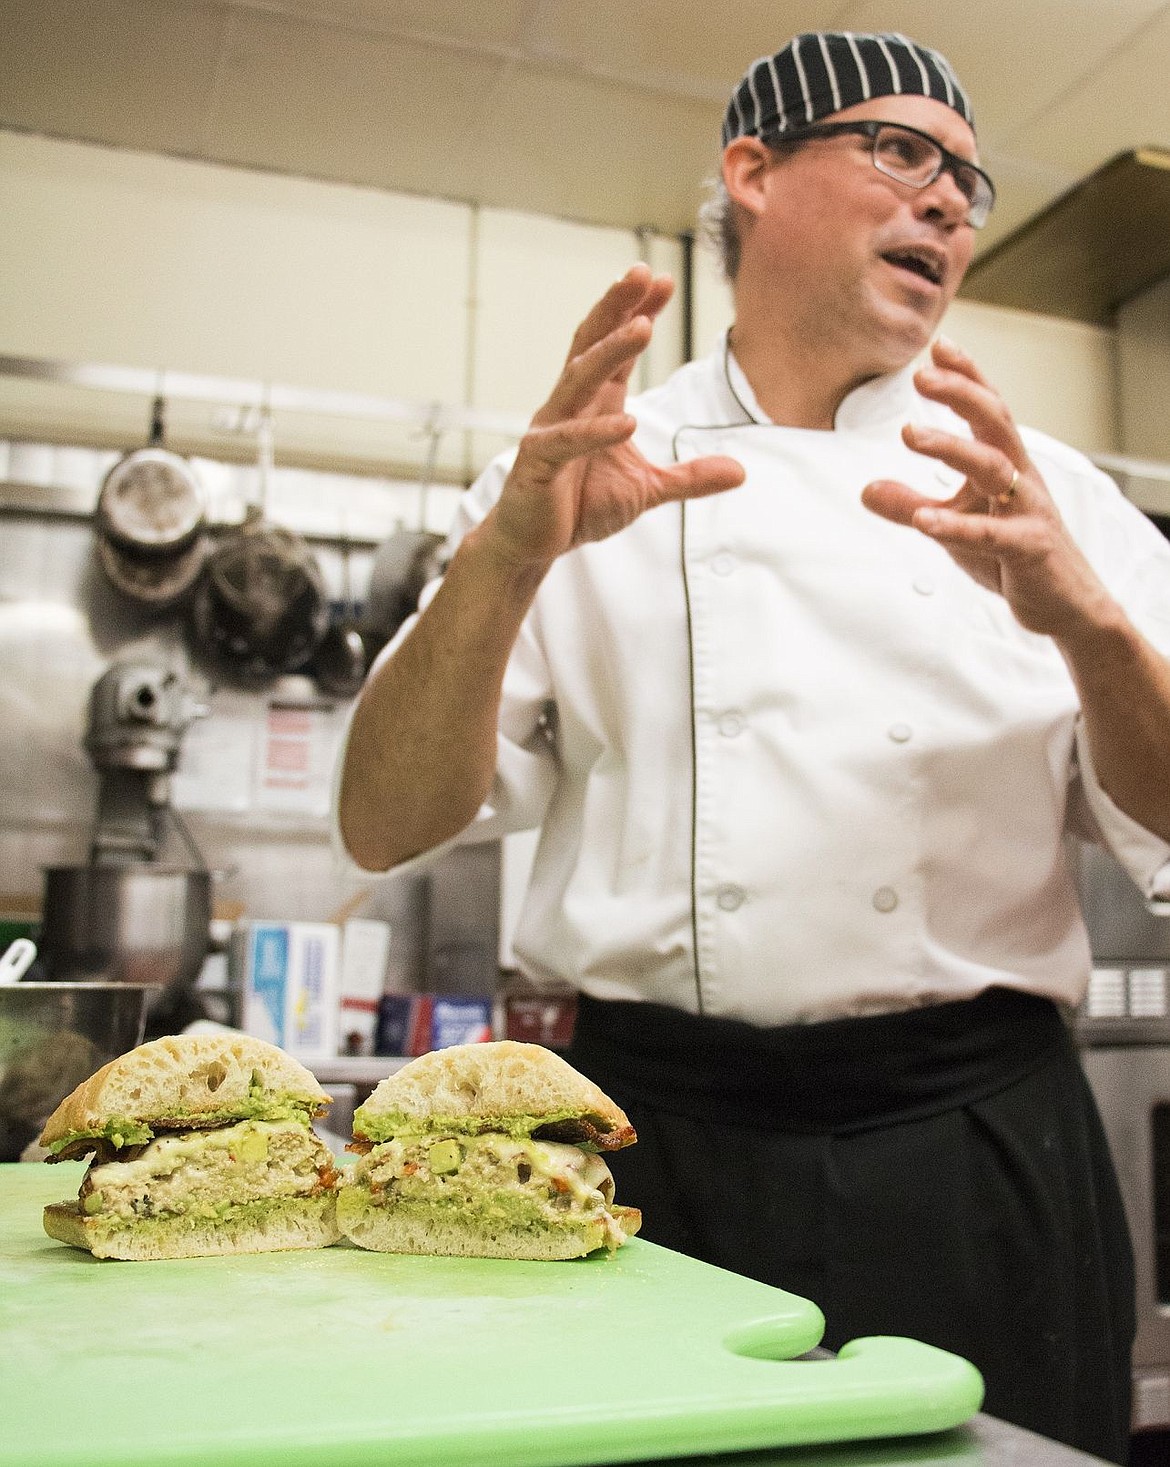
940 1173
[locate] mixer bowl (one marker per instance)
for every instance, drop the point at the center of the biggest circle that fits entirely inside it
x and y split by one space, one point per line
53 1036
125 924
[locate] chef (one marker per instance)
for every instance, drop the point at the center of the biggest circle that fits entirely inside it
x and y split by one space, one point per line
807 664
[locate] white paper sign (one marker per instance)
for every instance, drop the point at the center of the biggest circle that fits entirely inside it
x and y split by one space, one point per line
295 760
216 764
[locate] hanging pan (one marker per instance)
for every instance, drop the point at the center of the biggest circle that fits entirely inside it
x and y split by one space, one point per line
341 660
261 607
403 564
149 521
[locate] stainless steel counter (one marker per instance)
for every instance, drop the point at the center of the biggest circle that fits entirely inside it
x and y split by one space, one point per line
983 1442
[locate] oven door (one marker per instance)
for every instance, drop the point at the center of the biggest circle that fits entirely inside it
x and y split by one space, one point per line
1132 1087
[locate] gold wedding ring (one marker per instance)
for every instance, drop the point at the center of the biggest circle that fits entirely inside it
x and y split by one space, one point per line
1005 495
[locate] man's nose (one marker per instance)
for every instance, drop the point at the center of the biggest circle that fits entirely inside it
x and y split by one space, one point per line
945 198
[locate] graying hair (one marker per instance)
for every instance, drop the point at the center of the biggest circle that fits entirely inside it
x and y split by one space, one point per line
719 221
719 227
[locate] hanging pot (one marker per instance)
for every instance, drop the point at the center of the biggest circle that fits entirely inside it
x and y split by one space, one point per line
340 662
149 521
156 580
403 563
150 502
261 607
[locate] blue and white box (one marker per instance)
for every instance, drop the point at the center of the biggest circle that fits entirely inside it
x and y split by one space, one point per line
291 980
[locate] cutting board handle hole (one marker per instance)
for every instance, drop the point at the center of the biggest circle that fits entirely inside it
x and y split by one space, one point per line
769 1339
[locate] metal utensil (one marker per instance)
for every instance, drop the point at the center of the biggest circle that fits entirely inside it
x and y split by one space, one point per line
52 1037
17 960
149 523
151 502
340 661
139 923
261 606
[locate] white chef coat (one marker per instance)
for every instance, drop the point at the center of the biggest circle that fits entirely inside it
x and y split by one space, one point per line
789 762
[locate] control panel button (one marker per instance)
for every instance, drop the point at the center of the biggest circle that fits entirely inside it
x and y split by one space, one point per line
1106 998
1147 993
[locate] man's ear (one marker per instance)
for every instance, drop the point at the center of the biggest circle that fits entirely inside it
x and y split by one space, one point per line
746 162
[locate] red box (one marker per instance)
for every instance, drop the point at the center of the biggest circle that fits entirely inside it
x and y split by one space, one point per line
415 1023
547 1019
404 1024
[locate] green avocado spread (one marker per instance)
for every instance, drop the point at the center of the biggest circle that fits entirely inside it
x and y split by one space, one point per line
118 1131
258 1106
384 1125
227 1214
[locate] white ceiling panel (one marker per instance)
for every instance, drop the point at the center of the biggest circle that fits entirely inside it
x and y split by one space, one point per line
336 104
1015 57
606 111
113 71
482 23
680 46
1125 103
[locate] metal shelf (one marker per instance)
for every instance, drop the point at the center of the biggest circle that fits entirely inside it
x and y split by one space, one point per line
345 1069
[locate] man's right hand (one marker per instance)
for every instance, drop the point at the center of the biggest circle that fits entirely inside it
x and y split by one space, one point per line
577 476
421 753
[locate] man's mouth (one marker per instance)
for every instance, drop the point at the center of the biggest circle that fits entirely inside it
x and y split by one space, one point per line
926 263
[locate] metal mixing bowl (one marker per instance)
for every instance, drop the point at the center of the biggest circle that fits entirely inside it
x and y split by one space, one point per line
139 923
53 1036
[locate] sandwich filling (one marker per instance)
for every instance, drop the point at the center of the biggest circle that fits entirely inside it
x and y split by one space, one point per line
494 1180
375 1127
224 1175
118 1132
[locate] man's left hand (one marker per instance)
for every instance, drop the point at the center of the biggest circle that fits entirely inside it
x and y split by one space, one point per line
1002 527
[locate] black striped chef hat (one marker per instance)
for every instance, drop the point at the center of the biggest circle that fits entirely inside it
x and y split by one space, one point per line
820 72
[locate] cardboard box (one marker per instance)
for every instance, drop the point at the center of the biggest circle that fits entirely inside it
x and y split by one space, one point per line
290 976
365 954
536 1017
404 1024
461 1020
415 1023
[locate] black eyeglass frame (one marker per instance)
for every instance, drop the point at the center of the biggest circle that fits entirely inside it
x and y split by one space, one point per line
948 162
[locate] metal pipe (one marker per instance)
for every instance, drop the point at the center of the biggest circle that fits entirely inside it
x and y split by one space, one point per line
186 386
687 294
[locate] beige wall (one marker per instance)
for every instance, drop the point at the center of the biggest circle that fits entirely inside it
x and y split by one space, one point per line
138 260
1055 375
154 262
1143 363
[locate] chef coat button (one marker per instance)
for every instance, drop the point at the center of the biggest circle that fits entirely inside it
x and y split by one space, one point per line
730 898
885 899
723 564
731 725
900 732
924 586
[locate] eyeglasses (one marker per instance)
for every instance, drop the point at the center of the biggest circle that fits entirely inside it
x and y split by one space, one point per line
911 157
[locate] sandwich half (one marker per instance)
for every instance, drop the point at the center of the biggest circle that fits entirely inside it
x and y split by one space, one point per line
490 1151
200 1144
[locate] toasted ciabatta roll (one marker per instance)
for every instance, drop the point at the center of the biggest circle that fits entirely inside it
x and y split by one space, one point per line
202 1144
177 1083
521 1089
487 1150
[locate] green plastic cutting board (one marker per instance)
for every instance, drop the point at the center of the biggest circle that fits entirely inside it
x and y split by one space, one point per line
338 1357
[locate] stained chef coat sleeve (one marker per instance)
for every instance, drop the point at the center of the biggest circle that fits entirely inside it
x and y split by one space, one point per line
525 760
1133 558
